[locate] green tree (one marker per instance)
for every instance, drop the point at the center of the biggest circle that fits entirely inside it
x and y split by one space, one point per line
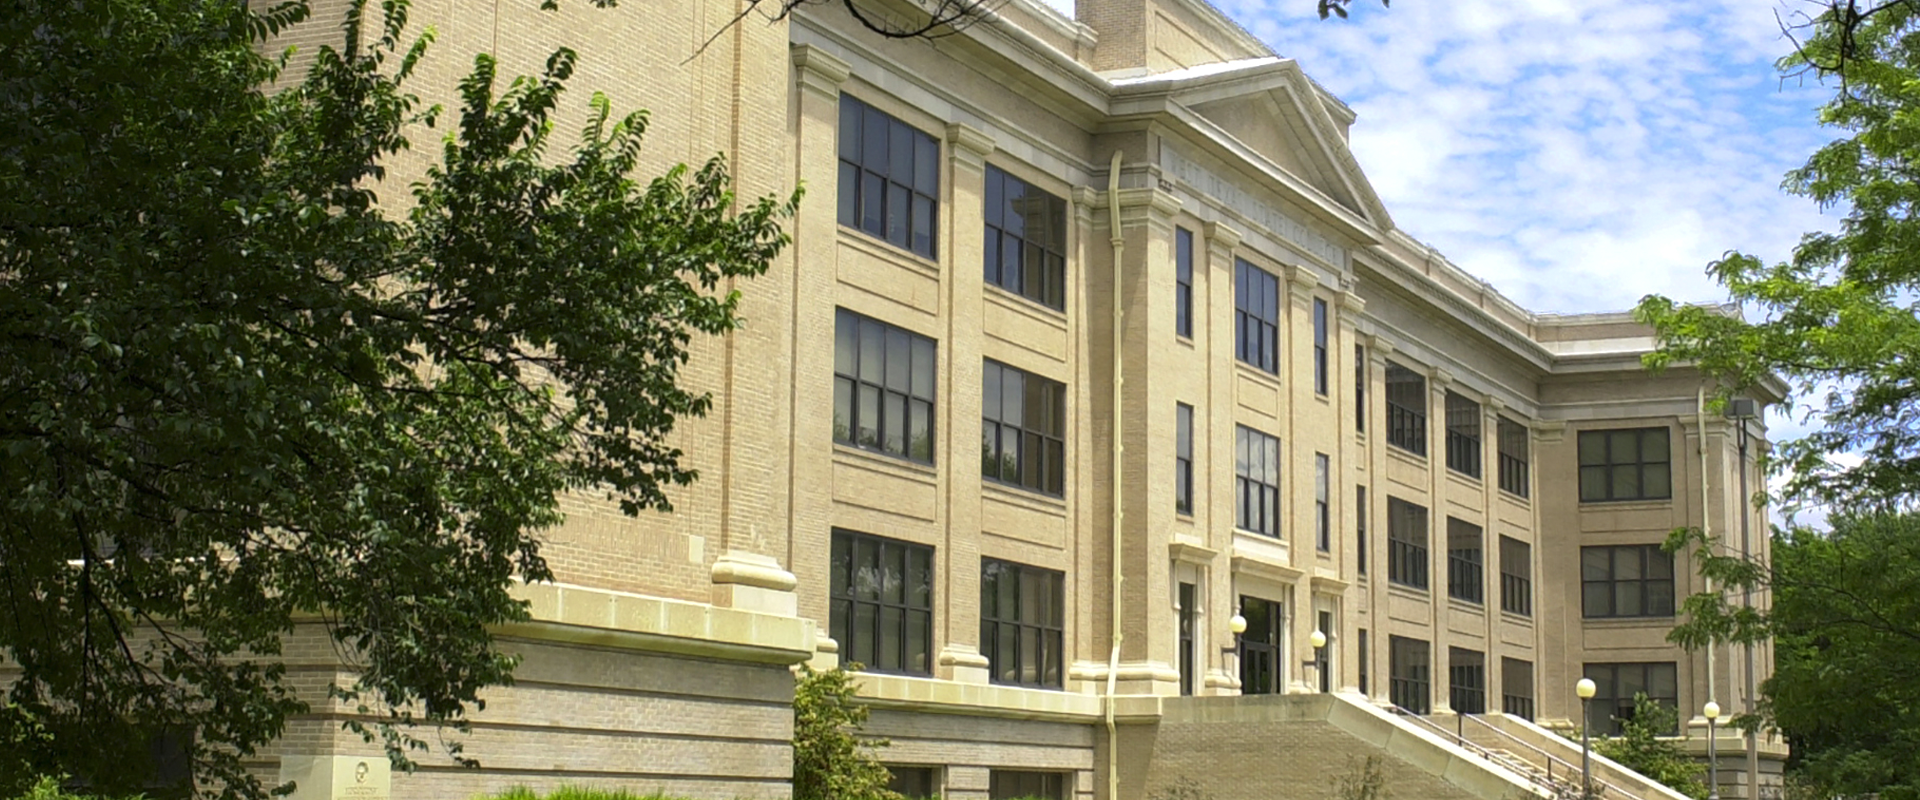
1639 747
831 761
1845 623
1840 320
237 390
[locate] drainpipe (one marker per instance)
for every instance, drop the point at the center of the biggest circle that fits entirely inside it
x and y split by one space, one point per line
1706 525
1113 658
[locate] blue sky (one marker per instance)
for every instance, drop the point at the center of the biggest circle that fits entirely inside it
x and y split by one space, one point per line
1577 154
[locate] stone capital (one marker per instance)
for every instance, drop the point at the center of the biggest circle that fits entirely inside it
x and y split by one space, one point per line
971 146
1441 379
1303 279
1495 405
819 71
1350 302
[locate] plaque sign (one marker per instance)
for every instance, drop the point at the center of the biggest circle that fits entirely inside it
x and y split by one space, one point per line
337 777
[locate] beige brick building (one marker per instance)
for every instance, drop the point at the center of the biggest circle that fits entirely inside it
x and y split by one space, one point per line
1094 344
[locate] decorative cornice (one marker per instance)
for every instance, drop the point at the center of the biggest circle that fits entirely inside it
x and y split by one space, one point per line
1191 553
1302 279
1441 378
971 146
819 71
1222 236
1549 431
1350 302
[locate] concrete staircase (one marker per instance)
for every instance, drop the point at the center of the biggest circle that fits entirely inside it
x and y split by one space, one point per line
1547 759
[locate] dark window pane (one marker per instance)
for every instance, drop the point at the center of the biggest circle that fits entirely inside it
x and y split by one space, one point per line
849 194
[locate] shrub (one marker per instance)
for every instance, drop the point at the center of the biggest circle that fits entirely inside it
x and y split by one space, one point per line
831 761
1642 748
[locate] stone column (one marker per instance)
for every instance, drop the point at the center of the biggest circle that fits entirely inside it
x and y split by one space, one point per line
1437 385
967 151
1299 525
1350 470
1215 471
1378 351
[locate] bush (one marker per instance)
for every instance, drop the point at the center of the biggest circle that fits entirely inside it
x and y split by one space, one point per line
830 759
573 793
1641 748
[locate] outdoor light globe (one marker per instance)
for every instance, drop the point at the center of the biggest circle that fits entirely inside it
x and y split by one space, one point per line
1318 639
1585 688
1238 624
1712 710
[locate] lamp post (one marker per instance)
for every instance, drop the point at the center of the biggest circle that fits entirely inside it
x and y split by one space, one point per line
1712 712
1319 640
1585 688
1237 624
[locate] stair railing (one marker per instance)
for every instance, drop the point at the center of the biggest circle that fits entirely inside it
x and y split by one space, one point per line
1543 781
1567 767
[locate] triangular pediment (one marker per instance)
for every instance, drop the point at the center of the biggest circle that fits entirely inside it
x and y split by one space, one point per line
1270 108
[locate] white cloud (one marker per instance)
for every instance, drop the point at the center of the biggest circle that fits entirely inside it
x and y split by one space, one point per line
1577 153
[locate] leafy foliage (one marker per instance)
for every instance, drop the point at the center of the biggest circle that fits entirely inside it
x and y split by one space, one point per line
573 793
1842 312
831 761
1640 748
236 391
1363 780
1338 8
1845 623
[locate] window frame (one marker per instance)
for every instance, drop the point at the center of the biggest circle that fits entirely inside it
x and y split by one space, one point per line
1359 388
1360 528
1513 441
1266 483
911 398
1409 679
1049 634
1607 684
857 176
1647 555
1366 661
1466 680
1256 317
1187 596
1466 562
1048 473
1323 502
1407 553
1464 429
1182 282
1519 705
1017 784
844 601
1182 459
1049 289
1640 466
1320 376
1516 588
1406 424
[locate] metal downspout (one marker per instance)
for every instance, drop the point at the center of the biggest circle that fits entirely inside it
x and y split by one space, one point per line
1113 658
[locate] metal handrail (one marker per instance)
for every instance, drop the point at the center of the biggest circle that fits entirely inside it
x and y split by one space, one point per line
1546 781
1551 758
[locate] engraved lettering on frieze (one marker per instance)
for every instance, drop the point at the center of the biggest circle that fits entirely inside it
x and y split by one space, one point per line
1230 193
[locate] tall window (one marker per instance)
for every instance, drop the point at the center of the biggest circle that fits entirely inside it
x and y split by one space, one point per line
1323 656
1360 529
1023 429
882 602
1256 480
1366 663
1360 388
1516 687
1516 576
1615 686
1406 543
1322 504
1319 346
1466 681
1406 409
1627 581
1183 458
1463 435
1022 615
1466 561
1007 784
1410 674
1513 457
1026 241
889 178
1261 647
1256 316
1625 465
1188 601
883 390
1183 282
